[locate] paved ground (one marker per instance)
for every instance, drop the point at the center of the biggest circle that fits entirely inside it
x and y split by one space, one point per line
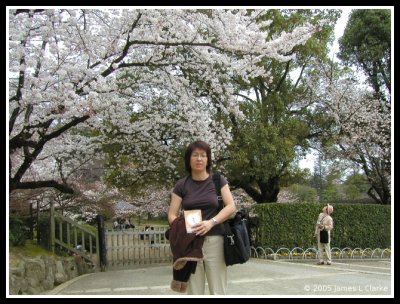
369 278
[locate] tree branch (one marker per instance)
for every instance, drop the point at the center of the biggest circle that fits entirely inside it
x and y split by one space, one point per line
41 184
30 158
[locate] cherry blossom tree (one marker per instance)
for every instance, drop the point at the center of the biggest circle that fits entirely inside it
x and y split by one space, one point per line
139 79
360 129
364 135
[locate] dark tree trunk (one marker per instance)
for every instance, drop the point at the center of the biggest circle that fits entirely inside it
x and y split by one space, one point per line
265 192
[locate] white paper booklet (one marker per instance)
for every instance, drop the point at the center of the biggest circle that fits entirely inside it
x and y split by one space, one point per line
192 217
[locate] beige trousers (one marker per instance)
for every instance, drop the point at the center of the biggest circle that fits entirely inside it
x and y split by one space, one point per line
327 248
212 267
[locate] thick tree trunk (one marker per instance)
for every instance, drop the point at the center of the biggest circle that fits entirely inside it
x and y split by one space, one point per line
266 191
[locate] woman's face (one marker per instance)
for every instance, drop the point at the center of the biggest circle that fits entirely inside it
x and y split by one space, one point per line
198 160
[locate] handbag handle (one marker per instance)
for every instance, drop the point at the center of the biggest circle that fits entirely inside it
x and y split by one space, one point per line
217 182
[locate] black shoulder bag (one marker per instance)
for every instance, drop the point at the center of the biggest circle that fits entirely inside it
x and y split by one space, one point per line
236 238
323 234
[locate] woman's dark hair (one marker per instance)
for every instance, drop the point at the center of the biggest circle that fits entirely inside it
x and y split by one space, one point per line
198 144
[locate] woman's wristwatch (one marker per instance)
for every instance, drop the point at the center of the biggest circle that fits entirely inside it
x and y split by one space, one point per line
215 221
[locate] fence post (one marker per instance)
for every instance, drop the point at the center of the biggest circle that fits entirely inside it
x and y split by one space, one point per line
52 227
102 250
31 221
37 222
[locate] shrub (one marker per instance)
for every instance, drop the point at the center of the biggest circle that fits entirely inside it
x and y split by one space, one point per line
19 230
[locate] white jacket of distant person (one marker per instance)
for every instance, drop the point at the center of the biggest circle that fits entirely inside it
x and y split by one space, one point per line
324 221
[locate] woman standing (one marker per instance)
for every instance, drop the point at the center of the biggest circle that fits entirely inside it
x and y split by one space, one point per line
324 222
197 191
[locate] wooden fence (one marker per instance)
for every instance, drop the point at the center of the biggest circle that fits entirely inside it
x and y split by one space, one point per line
73 238
126 247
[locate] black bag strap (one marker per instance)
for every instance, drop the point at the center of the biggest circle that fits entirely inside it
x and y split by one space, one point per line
322 219
325 215
217 182
184 189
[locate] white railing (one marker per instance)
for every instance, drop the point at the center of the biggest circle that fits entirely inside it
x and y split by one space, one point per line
299 253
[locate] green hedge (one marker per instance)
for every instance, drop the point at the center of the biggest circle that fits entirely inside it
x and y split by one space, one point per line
292 225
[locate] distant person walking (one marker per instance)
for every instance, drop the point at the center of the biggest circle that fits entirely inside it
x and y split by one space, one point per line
324 224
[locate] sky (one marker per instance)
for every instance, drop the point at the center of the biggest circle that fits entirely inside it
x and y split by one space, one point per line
308 162
339 29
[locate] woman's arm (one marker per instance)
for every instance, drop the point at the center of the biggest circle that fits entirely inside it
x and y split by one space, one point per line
318 224
229 205
174 207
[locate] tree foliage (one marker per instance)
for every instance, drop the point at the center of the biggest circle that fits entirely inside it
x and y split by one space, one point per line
130 88
279 121
360 130
363 117
147 80
366 44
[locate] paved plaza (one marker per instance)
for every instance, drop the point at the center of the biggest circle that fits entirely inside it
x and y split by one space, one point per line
369 278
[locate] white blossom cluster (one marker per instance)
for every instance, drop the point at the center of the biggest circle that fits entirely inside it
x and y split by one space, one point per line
363 121
242 199
286 196
142 78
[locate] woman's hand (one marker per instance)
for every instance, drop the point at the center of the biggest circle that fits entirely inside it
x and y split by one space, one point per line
203 227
